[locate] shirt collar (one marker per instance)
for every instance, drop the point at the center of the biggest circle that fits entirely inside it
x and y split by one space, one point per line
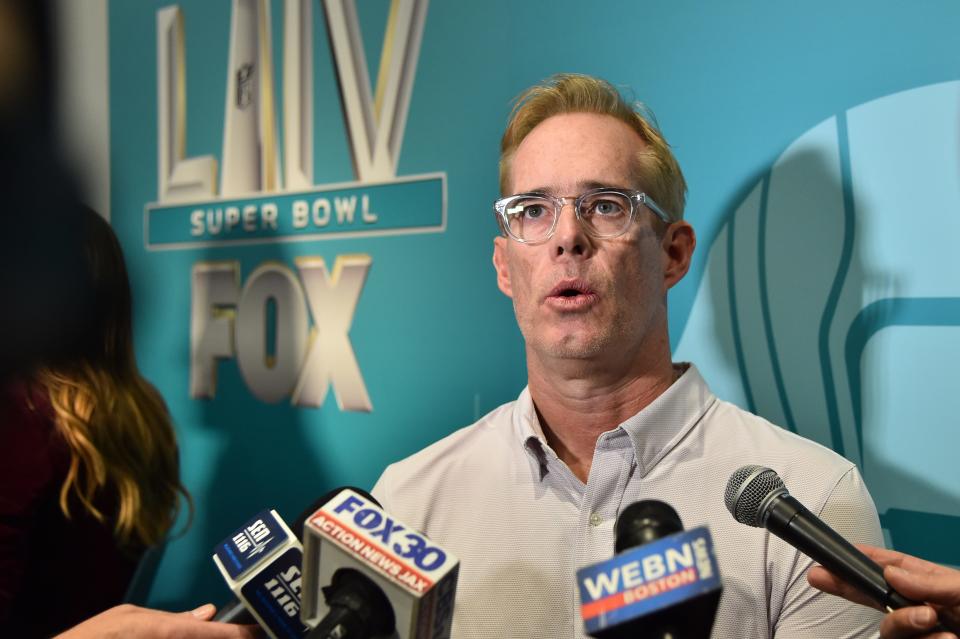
658 428
530 433
654 431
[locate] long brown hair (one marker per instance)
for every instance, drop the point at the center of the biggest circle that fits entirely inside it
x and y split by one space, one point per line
115 424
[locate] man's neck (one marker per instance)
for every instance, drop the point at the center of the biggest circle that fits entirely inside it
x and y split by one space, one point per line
578 401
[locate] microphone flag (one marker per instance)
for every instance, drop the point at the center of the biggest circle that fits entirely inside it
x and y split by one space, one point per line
261 564
351 533
646 579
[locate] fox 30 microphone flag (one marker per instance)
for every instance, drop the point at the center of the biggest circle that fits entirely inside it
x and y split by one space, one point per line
418 578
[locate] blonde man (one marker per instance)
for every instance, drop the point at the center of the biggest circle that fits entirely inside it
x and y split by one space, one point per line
593 237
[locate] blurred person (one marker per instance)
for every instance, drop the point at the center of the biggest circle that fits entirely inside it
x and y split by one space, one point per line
915 579
89 469
41 273
81 493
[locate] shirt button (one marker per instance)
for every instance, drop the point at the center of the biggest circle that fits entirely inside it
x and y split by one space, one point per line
595 519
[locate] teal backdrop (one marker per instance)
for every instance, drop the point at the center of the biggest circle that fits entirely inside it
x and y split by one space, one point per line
820 141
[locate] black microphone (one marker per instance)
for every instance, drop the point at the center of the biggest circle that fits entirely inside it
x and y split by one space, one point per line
236 611
663 582
756 496
644 521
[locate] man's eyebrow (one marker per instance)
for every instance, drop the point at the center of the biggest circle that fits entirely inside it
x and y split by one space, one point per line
591 184
580 187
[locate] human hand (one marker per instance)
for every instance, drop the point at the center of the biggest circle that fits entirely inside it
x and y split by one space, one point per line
133 622
914 578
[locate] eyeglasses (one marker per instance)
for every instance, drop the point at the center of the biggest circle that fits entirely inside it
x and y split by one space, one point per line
531 218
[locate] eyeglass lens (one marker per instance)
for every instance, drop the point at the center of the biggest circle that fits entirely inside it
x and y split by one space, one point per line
605 214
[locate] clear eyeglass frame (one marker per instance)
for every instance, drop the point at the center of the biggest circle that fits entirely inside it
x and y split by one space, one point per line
637 199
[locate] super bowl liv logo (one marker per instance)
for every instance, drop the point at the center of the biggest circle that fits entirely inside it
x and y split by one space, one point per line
248 199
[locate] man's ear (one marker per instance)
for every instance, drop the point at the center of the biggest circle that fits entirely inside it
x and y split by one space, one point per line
679 241
500 265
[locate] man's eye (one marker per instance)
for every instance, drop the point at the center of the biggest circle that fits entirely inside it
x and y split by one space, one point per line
534 211
606 207
530 210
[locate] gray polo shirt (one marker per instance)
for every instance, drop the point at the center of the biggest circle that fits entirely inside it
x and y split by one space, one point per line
496 495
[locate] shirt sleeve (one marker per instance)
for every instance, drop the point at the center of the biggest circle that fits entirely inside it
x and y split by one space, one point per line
807 612
380 492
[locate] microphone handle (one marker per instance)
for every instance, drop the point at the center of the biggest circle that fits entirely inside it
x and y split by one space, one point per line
789 520
235 612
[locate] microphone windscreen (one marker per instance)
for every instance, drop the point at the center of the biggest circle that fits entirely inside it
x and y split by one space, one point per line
748 490
643 522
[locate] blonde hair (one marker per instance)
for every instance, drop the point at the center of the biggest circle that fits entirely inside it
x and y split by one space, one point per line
116 425
657 168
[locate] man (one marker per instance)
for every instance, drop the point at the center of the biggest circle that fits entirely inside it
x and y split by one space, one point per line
912 577
530 493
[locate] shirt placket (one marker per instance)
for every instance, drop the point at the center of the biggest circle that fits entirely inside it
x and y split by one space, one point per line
609 472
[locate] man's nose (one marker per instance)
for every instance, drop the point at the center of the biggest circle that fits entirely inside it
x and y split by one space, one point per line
570 238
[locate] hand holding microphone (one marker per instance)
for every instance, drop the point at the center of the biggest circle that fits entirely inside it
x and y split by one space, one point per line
364 574
133 622
756 496
916 578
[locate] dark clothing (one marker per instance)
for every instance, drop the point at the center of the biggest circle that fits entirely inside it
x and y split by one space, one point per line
54 572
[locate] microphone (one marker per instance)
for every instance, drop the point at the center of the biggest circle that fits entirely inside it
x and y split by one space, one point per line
261 563
662 582
365 575
756 496
244 609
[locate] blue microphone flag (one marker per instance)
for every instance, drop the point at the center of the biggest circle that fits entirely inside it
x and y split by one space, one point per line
646 579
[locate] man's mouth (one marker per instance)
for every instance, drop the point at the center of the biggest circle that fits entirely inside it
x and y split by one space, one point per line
571 295
570 288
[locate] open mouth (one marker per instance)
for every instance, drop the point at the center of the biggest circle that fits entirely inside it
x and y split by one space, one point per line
570 288
571 292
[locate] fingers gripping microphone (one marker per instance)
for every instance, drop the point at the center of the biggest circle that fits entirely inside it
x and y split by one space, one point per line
663 582
756 496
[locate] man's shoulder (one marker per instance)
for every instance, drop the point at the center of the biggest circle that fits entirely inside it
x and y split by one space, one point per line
752 439
455 458
730 434
492 430
756 431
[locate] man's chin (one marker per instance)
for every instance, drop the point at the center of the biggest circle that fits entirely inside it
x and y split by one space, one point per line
575 347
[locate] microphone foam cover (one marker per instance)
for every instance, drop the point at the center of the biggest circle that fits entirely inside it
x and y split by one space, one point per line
645 521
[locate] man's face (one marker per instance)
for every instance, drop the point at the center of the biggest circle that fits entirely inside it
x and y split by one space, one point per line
576 296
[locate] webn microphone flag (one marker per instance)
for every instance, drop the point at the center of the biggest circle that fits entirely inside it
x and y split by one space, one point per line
646 579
